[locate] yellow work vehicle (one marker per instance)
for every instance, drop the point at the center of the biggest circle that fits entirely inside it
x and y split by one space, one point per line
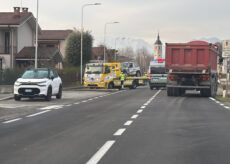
107 75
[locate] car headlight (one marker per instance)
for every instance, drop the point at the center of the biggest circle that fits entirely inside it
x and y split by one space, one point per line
17 83
42 84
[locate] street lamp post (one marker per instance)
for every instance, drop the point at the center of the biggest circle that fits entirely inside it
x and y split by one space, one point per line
36 44
82 9
105 35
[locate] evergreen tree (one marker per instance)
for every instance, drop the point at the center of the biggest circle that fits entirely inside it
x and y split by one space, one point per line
73 48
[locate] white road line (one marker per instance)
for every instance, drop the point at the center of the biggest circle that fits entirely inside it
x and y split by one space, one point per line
90 99
52 107
128 123
69 105
212 98
10 121
135 116
140 111
217 102
84 101
146 104
222 104
143 107
39 113
101 152
77 103
119 132
226 107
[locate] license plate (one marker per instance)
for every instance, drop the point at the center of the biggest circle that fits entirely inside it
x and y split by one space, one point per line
28 90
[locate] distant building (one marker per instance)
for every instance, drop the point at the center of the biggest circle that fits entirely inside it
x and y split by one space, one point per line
158 48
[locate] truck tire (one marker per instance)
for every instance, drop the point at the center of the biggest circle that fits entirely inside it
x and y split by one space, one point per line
110 86
169 91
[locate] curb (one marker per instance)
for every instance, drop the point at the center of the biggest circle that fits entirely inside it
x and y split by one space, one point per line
7 98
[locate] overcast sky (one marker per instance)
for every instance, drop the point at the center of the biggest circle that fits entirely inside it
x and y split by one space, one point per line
176 20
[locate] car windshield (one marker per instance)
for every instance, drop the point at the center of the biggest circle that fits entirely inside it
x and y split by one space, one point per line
35 74
94 69
157 70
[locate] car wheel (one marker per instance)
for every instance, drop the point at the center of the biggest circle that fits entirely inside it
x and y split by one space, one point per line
17 98
49 95
59 95
138 74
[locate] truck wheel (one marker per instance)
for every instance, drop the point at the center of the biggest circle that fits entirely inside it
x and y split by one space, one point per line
110 86
169 91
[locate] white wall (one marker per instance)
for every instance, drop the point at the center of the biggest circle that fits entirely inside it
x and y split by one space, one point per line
62 47
25 37
6 61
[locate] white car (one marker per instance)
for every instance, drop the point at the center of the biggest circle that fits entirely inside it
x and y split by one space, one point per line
38 83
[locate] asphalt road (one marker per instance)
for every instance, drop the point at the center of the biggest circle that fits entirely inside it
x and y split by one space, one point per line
129 127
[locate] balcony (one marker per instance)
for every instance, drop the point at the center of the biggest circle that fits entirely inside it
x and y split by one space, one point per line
7 51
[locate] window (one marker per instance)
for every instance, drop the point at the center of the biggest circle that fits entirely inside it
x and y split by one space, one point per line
0 64
51 74
7 42
226 44
55 73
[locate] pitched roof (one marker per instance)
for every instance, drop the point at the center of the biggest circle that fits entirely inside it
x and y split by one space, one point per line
43 53
54 34
9 18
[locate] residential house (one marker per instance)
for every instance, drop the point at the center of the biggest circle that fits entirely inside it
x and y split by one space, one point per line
54 38
47 57
17 30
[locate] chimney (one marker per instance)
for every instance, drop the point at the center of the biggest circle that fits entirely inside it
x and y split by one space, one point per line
17 11
25 10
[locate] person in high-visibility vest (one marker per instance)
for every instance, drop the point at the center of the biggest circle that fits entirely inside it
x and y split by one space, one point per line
122 78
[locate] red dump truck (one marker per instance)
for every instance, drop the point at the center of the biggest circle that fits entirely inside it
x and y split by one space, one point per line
191 66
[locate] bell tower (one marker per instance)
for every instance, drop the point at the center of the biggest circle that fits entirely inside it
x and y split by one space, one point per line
158 48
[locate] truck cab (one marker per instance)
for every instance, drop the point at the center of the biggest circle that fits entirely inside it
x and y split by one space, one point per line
101 75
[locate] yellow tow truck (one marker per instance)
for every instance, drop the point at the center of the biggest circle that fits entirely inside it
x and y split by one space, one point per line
107 75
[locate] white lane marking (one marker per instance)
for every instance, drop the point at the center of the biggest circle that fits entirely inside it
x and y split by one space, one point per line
119 132
77 103
222 104
140 111
10 121
135 116
226 107
39 113
90 99
211 98
84 101
128 123
95 97
143 107
146 104
52 107
69 105
101 152
217 102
